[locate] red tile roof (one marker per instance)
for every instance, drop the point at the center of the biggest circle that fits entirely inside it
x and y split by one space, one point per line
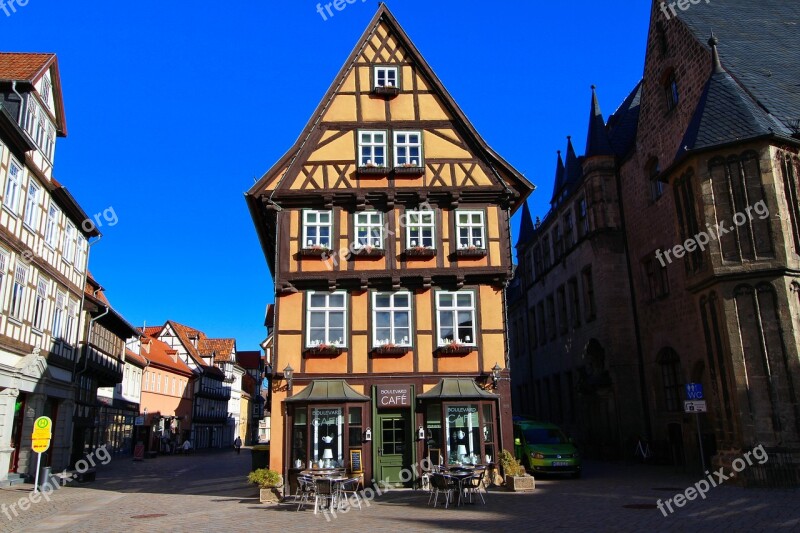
23 66
248 384
223 349
249 359
138 360
151 331
159 353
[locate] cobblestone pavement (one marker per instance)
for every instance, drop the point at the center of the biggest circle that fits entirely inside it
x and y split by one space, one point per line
208 492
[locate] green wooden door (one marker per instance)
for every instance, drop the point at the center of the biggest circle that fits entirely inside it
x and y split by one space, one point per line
394 445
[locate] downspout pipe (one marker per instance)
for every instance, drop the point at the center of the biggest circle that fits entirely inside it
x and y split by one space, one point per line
21 101
83 297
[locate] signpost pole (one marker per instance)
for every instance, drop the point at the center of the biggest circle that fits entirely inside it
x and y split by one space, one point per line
700 441
36 480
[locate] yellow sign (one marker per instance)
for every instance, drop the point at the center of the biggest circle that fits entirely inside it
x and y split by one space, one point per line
42 433
41 445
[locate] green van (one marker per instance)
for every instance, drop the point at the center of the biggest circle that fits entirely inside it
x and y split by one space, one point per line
542 448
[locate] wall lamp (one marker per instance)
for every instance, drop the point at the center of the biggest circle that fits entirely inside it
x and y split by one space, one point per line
288 374
496 375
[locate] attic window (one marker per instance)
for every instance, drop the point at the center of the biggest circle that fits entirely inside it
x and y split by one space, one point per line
386 80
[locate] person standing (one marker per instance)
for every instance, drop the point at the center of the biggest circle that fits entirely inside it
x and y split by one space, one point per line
238 444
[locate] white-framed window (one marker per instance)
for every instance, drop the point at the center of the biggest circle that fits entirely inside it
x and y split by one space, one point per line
69 243
81 253
455 313
50 143
41 128
317 229
18 291
39 311
387 77
46 87
51 229
58 315
33 205
3 266
470 229
372 148
31 117
420 228
13 187
408 148
72 320
369 229
391 318
326 318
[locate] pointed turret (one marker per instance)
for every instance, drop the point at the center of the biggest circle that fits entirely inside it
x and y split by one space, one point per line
597 143
572 169
560 179
526 229
726 112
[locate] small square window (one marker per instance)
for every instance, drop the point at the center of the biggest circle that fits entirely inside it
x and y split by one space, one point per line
317 229
408 149
372 148
387 77
470 230
369 229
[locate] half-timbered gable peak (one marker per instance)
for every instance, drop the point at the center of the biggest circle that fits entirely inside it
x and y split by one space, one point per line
387 129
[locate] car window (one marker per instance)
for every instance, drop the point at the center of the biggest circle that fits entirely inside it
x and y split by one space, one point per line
545 436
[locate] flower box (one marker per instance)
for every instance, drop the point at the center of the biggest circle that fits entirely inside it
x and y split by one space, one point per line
386 91
315 251
373 170
454 349
322 349
471 252
411 170
520 483
420 251
370 251
390 349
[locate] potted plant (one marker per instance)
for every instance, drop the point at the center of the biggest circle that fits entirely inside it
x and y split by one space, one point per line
453 347
269 482
517 480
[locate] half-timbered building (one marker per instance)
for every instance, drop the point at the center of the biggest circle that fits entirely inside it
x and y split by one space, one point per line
386 229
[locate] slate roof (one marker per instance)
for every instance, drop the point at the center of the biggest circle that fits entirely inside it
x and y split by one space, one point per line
597 142
526 230
759 43
623 124
558 183
573 170
726 113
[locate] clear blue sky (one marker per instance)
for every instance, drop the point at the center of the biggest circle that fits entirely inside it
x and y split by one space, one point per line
174 108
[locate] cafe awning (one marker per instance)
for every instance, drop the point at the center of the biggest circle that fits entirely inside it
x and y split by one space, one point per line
328 390
457 389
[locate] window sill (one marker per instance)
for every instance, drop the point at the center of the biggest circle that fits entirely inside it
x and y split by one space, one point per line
390 350
409 170
314 252
444 351
369 251
9 211
373 171
329 351
471 253
386 91
420 251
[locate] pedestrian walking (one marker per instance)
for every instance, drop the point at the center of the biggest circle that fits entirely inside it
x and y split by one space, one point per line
238 444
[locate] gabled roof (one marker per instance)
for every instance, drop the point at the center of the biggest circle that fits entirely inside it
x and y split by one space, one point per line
159 353
760 46
28 68
597 142
526 229
132 357
726 113
185 334
151 331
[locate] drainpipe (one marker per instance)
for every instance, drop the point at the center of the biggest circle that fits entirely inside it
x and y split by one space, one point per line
83 297
21 101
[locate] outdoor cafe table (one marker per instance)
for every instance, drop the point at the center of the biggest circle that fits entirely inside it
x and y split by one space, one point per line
334 475
460 474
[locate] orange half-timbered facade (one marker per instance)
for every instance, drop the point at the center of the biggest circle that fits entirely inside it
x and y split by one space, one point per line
386 229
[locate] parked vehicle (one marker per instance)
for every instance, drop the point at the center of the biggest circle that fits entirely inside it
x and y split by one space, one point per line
542 448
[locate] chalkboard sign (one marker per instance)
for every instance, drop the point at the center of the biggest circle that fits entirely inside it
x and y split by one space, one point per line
355 461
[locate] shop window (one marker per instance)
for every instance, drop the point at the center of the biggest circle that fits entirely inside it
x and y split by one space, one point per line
300 437
463 431
327 431
354 426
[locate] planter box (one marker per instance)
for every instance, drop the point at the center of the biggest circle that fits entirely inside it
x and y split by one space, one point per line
373 171
471 252
520 483
314 252
329 351
420 252
409 171
386 91
270 495
370 252
390 350
449 350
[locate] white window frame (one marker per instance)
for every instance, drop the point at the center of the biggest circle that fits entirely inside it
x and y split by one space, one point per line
51 230
401 141
465 233
33 202
4 258
415 220
383 74
58 315
81 251
13 188
328 310
72 320
17 308
365 220
49 148
366 148
46 88
40 302
311 219
68 252
454 310
393 310
31 116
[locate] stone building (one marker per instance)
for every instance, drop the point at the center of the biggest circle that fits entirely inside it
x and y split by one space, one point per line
716 146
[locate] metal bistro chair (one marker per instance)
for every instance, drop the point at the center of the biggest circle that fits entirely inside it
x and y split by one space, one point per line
475 484
326 493
349 489
442 483
306 489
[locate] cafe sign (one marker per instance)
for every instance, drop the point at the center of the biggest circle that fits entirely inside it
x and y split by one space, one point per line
394 396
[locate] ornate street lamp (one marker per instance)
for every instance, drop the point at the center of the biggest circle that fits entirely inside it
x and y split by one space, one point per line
288 374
